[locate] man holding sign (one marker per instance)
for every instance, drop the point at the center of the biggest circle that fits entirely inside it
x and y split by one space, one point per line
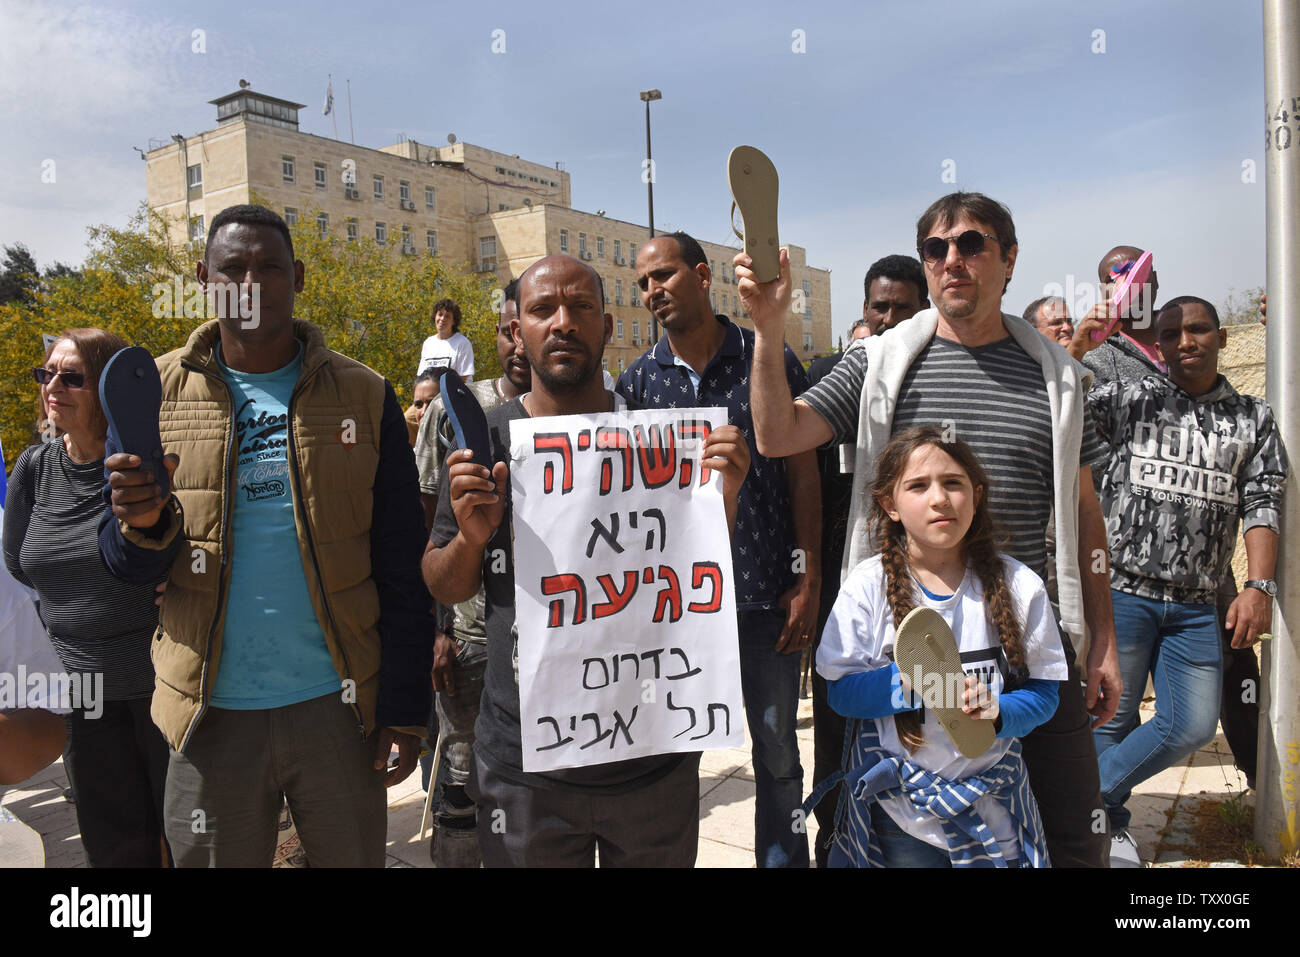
641 810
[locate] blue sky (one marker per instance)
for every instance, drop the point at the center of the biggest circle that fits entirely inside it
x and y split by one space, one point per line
1144 143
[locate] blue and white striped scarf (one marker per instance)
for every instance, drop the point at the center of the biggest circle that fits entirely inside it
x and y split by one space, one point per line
877 773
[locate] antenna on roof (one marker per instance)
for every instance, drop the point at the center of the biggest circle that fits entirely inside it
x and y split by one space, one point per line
244 84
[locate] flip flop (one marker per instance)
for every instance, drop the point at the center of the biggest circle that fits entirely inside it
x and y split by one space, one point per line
1125 291
753 182
130 393
924 645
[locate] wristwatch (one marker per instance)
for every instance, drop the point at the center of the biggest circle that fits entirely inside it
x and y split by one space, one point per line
1267 585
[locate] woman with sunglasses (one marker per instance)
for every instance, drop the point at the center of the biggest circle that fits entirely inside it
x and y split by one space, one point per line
101 628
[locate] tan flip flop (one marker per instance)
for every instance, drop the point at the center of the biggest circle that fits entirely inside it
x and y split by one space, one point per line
753 182
923 646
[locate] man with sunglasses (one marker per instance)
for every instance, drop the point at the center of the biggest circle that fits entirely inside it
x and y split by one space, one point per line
1018 400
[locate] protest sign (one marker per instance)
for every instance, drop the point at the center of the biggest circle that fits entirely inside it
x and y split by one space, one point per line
624 600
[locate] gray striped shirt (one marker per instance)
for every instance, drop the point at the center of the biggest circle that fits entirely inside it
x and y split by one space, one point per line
995 399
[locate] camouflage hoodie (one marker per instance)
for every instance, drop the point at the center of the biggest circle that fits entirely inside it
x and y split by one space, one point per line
1183 471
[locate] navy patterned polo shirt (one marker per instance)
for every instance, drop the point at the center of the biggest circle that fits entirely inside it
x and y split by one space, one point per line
762 548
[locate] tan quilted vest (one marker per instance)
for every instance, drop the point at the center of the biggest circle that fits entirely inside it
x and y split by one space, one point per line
336 399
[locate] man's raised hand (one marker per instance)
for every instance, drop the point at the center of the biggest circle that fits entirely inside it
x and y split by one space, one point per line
768 303
478 498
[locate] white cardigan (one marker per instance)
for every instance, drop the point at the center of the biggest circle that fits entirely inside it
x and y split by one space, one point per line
889 357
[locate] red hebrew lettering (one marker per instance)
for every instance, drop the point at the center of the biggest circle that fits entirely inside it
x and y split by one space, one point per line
695 429
687 466
658 455
670 596
557 585
611 437
584 439
617 600
649 576
556 442
699 572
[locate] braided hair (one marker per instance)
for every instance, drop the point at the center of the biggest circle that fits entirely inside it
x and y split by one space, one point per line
979 551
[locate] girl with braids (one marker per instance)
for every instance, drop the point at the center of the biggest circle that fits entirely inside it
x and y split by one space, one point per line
911 798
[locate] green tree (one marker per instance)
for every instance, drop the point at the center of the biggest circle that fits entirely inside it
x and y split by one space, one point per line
1239 308
371 302
18 275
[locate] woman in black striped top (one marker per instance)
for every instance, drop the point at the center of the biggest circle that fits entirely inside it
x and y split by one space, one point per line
100 627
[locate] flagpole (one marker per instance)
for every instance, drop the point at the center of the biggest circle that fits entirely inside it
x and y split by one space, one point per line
334 114
352 132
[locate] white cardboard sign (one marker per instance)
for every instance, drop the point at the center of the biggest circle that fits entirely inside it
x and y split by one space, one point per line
624 599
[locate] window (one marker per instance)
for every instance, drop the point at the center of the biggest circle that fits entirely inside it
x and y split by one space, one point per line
197 232
582 244
352 230
631 254
618 329
618 292
600 247
319 169
564 240
379 187
194 179
381 233
487 253
323 224
404 192
286 168
636 296
636 332
431 241
713 268
430 200
290 216
502 207
807 300
807 342
807 289
618 250
407 245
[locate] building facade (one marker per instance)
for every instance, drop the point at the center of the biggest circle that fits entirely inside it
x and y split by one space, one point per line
492 213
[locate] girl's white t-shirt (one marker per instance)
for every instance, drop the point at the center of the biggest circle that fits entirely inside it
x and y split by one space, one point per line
454 352
859 636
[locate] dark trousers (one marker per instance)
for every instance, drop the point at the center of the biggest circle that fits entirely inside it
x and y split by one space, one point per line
828 733
1239 711
224 793
1061 759
657 825
117 765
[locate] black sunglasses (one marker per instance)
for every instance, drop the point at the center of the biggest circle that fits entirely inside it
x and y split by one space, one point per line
969 244
73 380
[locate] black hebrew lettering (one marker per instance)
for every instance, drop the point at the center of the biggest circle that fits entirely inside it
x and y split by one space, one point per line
650 533
673 707
689 672
560 740
712 707
600 735
655 653
610 535
586 670
670 596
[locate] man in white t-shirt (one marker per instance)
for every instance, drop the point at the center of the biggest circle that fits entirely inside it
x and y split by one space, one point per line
448 349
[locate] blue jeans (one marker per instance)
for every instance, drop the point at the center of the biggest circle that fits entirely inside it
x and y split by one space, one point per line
901 849
770 683
1178 645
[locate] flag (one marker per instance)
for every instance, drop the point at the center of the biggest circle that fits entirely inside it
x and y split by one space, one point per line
329 99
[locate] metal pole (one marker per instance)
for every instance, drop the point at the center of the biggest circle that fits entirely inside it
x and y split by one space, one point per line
1278 782
351 132
650 196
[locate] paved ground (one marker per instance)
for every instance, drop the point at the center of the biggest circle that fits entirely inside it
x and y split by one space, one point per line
1162 808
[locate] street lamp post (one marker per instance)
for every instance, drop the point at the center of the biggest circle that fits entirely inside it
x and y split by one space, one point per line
647 96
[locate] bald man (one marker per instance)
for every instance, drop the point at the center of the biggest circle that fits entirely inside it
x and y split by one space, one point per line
642 812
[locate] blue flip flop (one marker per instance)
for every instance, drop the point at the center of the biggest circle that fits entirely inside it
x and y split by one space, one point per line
130 393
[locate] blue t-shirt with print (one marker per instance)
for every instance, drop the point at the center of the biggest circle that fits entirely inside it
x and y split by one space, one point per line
273 652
